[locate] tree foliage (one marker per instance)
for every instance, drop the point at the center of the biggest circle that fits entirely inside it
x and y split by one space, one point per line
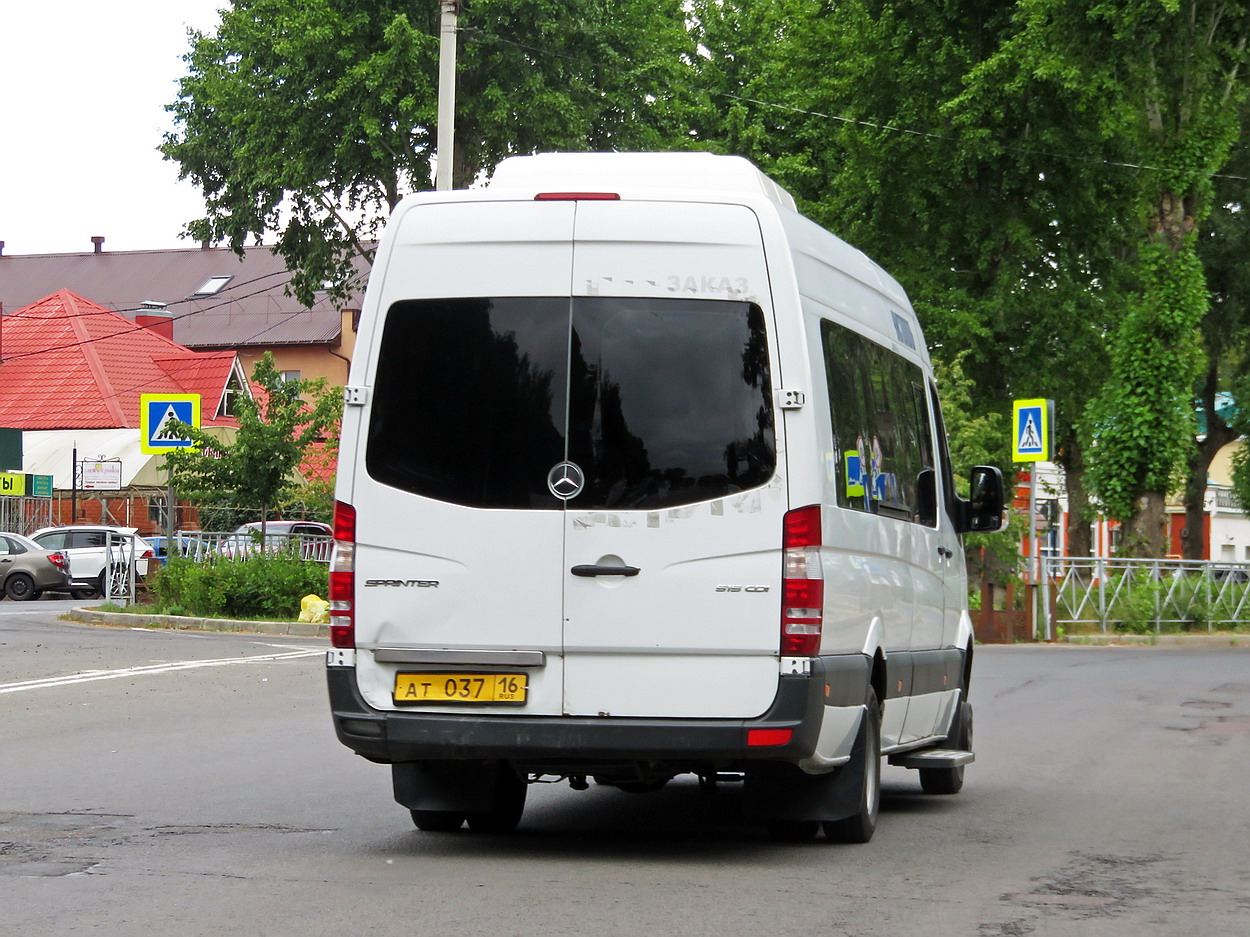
310 119
259 468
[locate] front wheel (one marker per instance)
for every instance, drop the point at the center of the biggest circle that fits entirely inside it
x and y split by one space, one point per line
859 827
20 588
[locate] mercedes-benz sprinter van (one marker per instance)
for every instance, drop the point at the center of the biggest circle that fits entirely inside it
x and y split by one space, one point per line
643 474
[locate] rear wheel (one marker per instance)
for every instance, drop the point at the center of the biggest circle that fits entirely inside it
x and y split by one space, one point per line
859 827
505 812
437 821
20 588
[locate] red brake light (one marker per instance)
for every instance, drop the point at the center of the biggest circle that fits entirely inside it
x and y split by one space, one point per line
763 737
803 583
577 197
343 578
58 559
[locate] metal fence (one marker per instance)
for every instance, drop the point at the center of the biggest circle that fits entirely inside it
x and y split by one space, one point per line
1146 595
206 545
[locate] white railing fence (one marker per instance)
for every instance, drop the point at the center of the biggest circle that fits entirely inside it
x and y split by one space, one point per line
1145 595
205 545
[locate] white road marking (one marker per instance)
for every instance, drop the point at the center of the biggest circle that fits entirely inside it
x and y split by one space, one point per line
92 675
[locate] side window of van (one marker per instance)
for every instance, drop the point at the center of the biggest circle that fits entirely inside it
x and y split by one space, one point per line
881 428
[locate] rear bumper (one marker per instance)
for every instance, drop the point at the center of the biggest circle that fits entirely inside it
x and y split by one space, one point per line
566 742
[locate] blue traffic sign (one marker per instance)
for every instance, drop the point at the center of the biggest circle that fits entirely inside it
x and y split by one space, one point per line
158 414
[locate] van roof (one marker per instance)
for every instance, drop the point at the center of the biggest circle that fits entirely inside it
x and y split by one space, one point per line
636 174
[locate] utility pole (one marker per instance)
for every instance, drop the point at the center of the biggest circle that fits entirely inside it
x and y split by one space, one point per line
446 93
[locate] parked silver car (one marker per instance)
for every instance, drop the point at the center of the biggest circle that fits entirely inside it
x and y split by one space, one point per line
27 570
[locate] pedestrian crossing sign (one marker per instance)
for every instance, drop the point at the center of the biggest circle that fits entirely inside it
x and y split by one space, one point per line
1032 424
157 413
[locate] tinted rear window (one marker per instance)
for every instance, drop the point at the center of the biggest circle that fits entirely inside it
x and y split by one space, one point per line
661 402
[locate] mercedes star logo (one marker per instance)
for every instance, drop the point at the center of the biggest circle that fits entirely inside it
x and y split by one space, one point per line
566 480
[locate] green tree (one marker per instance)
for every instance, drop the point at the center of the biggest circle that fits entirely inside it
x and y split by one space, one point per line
1164 79
258 469
1223 391
310 119
903 128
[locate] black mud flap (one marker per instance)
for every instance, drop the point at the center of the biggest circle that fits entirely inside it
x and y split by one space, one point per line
779 791
457 786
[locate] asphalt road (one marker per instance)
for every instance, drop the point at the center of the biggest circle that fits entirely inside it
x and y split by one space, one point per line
163 782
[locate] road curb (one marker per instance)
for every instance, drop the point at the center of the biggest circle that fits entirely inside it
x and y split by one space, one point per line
298 629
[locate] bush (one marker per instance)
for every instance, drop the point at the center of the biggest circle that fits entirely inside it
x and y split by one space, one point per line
261 586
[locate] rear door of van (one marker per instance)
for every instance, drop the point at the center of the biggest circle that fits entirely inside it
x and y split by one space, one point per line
675 432
571 450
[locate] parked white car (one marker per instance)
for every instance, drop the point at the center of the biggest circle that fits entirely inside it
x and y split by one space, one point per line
87 547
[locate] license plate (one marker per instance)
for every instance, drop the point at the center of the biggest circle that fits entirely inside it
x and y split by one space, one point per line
460 687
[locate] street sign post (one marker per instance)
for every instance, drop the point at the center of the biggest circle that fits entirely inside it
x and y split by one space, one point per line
1032 434
156 413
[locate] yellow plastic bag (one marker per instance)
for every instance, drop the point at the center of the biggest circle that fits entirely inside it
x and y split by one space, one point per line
315 609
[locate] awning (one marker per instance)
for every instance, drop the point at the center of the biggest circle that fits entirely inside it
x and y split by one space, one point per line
51 452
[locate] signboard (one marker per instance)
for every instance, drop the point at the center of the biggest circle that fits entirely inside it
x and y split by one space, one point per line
1032 427
104 475
18 485
12 484
157 412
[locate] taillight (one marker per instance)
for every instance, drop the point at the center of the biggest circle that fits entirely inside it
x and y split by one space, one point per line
59 559
343 578
803 583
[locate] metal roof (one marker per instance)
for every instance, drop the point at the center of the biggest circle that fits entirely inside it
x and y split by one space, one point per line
67 362
251 309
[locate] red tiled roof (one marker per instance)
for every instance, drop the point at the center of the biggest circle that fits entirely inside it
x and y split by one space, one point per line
69 363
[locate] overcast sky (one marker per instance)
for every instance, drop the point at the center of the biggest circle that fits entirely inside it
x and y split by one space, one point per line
83 85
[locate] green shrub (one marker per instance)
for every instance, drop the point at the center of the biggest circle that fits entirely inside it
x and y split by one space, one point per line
261 586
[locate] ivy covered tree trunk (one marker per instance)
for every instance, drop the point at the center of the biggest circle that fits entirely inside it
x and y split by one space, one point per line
1144 422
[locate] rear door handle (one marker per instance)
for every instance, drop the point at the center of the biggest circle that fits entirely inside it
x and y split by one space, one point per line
593 570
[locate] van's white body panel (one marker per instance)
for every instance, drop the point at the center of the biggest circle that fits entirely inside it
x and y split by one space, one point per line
685 638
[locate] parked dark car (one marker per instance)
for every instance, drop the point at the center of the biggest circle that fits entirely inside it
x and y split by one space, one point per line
27 570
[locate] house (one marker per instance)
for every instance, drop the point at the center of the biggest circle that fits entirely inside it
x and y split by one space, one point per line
215 301
71 376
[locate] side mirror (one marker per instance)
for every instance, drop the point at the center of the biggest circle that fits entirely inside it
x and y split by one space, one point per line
983 511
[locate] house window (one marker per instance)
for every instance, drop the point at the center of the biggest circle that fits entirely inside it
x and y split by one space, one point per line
229 397
211 287
290 376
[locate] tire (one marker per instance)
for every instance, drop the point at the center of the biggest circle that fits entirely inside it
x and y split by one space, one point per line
505 813
950 780
437 821
20 588
859 827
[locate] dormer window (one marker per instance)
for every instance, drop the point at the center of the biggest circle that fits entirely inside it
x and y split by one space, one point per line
229 396
212 286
